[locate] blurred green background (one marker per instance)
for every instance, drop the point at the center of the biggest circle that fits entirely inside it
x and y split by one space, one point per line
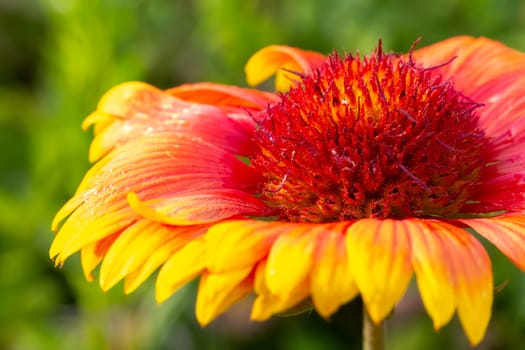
57 57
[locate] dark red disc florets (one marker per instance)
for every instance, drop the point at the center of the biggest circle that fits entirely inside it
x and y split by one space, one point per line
378 137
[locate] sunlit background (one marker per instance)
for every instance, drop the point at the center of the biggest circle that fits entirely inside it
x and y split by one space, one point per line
57 57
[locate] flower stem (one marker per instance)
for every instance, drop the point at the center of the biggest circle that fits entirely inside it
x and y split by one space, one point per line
373 334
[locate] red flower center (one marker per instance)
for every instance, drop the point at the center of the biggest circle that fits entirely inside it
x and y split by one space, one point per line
378 136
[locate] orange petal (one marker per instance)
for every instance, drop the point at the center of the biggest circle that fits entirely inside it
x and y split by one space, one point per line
273 59
217 292
443 51
183 266
471 277
223 95
239 244
506 232
331 283
379 253
474 60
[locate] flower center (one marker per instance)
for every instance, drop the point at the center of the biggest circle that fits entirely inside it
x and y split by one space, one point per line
378 136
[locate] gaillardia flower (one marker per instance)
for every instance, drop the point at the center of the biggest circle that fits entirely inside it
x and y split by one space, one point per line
359 173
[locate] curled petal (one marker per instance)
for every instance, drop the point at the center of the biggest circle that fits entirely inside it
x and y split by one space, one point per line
277 59
197 207
223 95
217 292
379 251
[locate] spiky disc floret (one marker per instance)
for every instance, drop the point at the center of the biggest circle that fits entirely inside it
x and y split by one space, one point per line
379 136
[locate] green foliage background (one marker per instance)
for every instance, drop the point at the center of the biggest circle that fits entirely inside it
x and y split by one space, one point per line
57 57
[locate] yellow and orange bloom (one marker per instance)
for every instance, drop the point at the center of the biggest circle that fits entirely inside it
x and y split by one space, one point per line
358 174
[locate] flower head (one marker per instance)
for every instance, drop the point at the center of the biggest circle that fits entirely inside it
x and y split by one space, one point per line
358 174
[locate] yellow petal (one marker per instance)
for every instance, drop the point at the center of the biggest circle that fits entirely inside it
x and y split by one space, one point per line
332 283
217 292
183 266
471 273
273 59
98 118
73 236
429 259
126 97
379 252
92 254
266 304
291 258
89 260
239 244
137 244
160 254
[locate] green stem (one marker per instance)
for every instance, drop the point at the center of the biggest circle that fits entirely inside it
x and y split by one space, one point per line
373 334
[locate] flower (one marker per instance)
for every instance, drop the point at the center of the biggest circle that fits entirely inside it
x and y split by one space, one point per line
360 173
